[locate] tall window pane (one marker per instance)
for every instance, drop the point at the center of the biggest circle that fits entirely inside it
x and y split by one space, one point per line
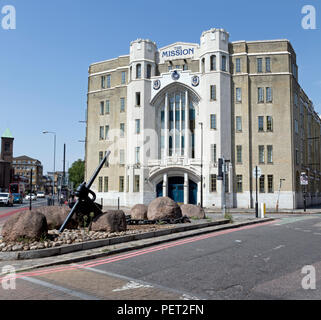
223 63
270 154
213 122
213 63
261 154
239 183
238 124
268 94
107 107
261 124
238 94
102 108
123 77
238 65
259 65
268 64
260 95
239 154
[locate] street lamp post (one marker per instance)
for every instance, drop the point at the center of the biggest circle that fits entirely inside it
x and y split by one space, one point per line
53 177
201 124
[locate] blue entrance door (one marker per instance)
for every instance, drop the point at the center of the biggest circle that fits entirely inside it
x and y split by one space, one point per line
176 189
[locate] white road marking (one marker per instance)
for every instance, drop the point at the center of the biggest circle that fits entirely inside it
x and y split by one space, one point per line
73 293
279 247
238 241
132 285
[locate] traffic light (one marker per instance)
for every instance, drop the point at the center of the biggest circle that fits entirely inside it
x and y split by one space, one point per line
220 169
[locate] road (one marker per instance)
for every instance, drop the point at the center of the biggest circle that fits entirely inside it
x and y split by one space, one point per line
253 262
5 212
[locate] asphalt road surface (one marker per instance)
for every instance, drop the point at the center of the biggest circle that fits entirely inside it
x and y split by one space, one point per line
253 262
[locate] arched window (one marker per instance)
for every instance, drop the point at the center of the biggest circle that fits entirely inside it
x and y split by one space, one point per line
213 63
223 63
149 71
138 71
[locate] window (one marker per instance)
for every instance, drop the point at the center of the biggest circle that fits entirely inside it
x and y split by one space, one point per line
121 184
122 130
149 71
261 154
223 63
101 133
213 183
213 92
108 81
138 71
122 104
106 184
185 66
239 154
107 132
100 184
213 122
260 95
262 184
296 126
137 155
107 162
297 161
203 65
270 184
122 157
239 183
136 183
213 63
123 77
170 67
213 153
268 64
138 99
238 124
103 82
137 121
238 94
107 107
270 154
177 67
259 65
295 99
261 124
102 108
268 94
238 65
269 124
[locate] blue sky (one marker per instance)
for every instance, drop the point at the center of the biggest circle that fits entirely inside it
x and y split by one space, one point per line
44 62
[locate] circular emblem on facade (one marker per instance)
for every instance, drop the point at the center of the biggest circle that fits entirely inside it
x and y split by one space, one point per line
175 75
195 81
157 85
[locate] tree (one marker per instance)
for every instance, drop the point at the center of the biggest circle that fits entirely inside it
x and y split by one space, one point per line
77 173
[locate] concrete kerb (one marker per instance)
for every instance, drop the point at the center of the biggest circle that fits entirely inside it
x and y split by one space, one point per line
44 253
136 245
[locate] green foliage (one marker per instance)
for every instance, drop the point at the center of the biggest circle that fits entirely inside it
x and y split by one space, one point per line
229 217
77 173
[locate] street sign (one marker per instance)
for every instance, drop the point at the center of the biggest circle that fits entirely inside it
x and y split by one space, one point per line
304 180
259 172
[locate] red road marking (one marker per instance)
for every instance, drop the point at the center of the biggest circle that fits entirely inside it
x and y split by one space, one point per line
10 213
133 254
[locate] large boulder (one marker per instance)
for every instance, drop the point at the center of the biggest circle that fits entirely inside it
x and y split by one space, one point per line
110 221
163 208
139 212
192 211
56 216
26 225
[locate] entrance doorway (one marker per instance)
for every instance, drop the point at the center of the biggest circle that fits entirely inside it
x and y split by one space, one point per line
176 190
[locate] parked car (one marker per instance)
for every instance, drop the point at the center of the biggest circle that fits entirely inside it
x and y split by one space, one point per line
6 199
33 197
41 194
17 198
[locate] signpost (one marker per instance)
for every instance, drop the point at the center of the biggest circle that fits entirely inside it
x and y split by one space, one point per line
257 172
304 181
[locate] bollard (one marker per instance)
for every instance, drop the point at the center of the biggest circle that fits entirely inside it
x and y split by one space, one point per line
262 211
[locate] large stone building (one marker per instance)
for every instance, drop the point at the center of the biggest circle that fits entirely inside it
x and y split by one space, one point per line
22 167
167 115
6 171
